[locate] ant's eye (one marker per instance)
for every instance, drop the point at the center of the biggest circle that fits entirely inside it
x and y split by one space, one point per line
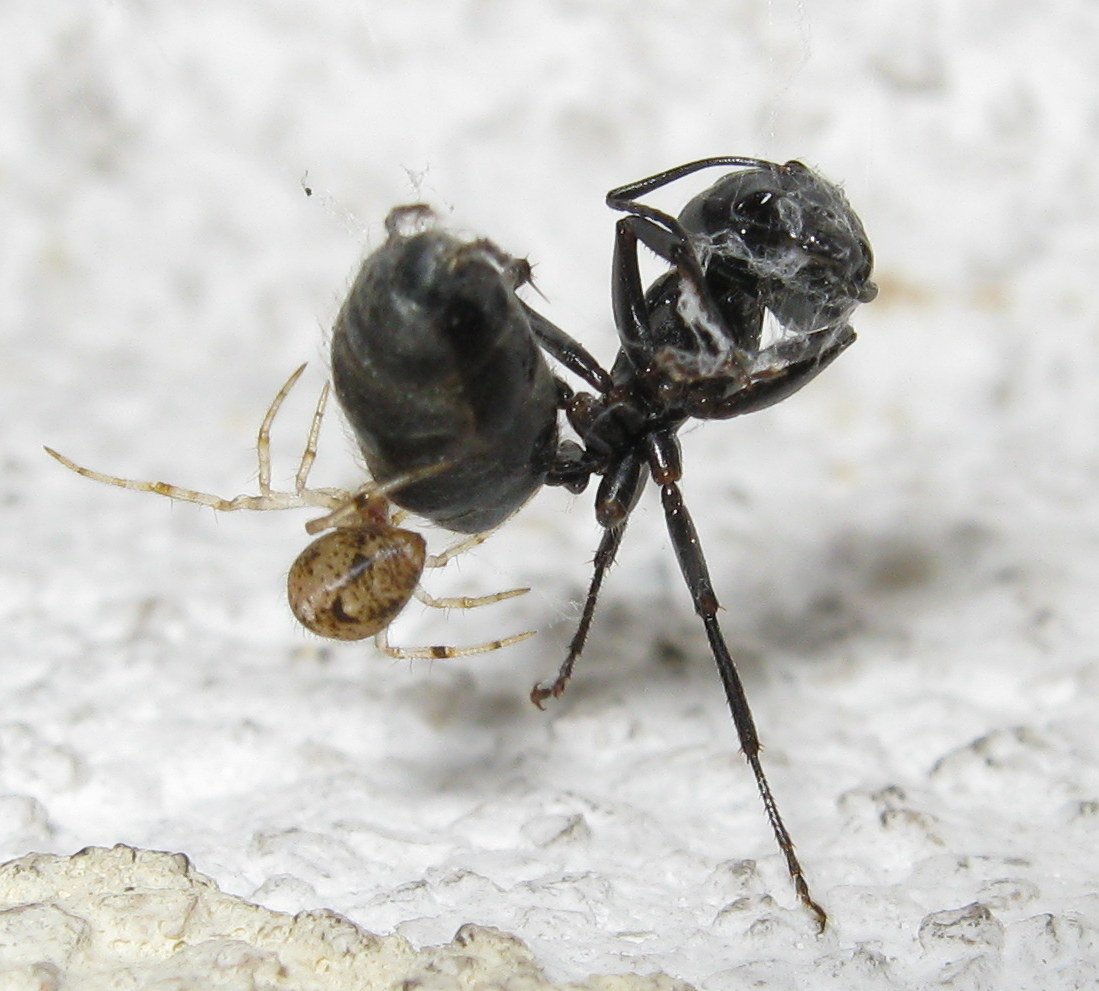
757 208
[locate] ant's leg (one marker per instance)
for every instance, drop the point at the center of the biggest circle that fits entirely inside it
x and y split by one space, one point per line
571 353
572 466
618 494
664 236
631 312
767 389
604 558
444 652
692 563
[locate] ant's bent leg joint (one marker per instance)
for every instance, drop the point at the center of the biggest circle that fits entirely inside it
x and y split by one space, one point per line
618 492
665 457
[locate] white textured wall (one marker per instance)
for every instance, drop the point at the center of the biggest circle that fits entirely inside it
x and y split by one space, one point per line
906 551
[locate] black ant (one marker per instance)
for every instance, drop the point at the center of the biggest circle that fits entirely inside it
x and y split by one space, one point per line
767 266
435 359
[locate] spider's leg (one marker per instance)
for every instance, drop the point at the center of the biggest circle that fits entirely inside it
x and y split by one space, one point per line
441 652
263 440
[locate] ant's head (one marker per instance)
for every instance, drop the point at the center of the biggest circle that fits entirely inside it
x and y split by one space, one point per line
793 235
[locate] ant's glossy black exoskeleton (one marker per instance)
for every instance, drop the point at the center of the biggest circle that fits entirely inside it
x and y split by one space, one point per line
767 266
435 359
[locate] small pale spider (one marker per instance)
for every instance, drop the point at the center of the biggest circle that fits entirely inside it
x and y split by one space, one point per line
354 580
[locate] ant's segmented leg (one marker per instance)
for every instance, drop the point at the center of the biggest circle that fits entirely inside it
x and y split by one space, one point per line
697 576
570 352
692 563
664 236
618 494
604 558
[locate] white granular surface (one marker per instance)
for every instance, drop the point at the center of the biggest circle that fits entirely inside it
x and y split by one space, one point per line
906 551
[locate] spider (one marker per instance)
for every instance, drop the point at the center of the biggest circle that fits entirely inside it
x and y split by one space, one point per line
355 579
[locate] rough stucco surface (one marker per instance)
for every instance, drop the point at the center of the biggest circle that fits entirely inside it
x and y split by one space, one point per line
906 551
106 920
